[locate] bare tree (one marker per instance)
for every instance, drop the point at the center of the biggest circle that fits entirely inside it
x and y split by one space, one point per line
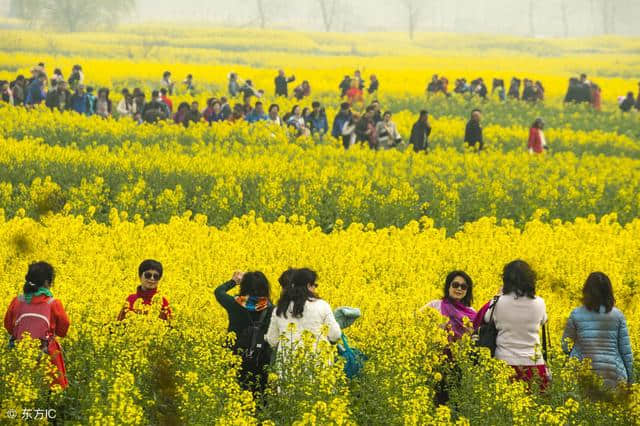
565 18
413 9
329 9
607 19
532 28
74 15
262 17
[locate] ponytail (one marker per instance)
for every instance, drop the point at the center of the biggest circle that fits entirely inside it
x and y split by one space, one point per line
297 292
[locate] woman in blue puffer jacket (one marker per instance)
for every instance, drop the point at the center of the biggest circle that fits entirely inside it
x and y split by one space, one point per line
599 332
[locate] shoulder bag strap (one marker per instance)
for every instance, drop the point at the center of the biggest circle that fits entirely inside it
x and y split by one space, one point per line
493 308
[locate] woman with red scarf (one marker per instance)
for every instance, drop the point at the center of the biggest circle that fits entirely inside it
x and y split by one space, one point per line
43 317
150 273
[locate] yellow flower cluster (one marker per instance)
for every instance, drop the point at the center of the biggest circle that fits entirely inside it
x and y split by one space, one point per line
95 197
80 165
148 373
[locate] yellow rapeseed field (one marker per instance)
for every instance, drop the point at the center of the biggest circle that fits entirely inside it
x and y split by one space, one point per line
95 197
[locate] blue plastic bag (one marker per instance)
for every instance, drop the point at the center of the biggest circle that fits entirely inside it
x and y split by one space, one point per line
354 359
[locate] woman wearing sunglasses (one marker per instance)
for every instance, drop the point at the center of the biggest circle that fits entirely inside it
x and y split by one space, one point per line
150 274
456 303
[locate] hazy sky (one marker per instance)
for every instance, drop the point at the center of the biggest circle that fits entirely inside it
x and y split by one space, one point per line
503 16
519 17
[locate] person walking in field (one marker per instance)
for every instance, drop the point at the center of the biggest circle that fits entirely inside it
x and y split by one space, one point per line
420 132
374 84
249 315
150 274
473 131
537 143
37 312
627 103
354 94
598 331
387 133
518 315
282 83
127 106
166 82
300 306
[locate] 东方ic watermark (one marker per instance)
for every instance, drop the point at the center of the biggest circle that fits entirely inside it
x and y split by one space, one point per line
32 414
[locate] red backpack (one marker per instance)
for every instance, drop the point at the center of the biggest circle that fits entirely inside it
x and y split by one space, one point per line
33 318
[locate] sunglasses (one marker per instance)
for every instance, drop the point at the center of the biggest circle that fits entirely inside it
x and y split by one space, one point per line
152 276
461 286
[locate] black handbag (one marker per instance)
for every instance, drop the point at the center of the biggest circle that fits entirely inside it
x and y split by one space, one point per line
546 343
488 333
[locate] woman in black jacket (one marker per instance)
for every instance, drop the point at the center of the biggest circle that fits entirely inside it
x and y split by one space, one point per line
249 314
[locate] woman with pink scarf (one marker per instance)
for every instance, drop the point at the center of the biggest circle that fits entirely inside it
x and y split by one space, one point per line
456 303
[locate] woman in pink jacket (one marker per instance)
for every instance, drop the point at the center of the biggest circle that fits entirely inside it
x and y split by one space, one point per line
537 143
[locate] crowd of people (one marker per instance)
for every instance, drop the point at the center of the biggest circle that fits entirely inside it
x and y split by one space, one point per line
356 122
531 91
596 330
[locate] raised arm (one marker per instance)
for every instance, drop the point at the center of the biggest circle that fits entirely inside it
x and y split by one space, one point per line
222 297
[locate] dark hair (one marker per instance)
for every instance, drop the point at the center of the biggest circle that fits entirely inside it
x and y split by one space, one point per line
272 106
315 104
38 275
345 105
520 279
597 291
148 265
125 91
538 123
155 94
298 293
387 113
257 103
163 91
285 278
424 113
475 110
371 108
468 298
166 73
41 64
255 284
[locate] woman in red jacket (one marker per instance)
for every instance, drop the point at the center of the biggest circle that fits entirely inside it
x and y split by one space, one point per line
37 312
150 273
537 143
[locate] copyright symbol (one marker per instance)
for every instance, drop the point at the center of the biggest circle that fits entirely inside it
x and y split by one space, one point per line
12 414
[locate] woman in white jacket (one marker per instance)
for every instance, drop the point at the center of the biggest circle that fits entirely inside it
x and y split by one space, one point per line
301 306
